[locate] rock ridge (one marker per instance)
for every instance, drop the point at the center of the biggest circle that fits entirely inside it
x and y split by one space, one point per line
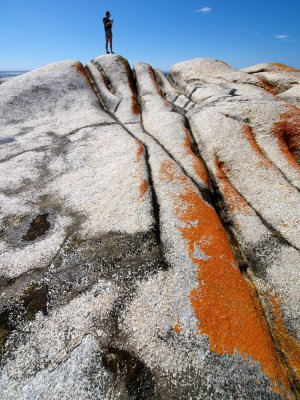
149 231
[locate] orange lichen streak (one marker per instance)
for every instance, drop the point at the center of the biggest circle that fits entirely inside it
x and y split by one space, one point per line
144 184
135 107
264 83
197 164
81 70
287 130
143 188
140 150
233 200
248 135
177 327
284 67
158 89
286 341
227 311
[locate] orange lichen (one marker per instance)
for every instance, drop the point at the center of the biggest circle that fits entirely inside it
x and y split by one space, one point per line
159 92
233 200
284 67
286 341
224 305
135 107
268 86
197 164
287 130
267 83
81 70
140 150
178 325
143 187
248 135
144 184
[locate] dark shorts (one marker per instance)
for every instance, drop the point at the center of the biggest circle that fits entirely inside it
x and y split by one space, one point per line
108 33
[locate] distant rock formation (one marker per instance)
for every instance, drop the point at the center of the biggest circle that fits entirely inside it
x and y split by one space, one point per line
149 232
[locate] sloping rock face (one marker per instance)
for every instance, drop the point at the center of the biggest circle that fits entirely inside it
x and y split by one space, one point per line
6 79
149 233
279 79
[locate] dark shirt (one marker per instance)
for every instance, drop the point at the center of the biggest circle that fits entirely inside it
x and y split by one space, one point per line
107 21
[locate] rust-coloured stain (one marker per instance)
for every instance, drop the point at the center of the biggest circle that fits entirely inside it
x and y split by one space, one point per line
135 107
197 164
268 86
248 135
177 328
233 200
144 184
287 130
143 187
178 325
81 70
159 92
140 150
285 67
273 88
226 309
287 342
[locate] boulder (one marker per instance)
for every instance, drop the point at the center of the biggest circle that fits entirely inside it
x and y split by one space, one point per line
244 134
161 321
149 244
59 173
279 79
71 226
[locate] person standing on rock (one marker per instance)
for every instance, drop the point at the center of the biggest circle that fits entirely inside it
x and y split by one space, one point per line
108 34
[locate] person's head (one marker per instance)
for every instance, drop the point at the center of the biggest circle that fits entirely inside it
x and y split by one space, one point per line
107 14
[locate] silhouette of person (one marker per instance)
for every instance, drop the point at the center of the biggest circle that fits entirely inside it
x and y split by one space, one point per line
108 34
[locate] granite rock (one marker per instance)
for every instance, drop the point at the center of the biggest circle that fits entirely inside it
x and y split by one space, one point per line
281 80
233 130
148 233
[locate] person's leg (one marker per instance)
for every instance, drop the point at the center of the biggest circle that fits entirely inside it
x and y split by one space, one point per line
106 44
110 42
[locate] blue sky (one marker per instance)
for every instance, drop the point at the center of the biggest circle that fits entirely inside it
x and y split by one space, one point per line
161 32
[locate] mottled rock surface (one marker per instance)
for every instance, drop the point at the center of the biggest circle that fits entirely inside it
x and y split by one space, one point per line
5 79
279 79
149 232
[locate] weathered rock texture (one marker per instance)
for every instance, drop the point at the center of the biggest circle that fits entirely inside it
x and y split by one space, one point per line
6 79
279 79
149 232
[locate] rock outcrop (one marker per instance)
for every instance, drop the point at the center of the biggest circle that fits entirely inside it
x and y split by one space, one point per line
279 79
5 79
149 232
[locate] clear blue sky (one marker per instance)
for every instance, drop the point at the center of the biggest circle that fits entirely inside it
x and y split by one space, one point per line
161 32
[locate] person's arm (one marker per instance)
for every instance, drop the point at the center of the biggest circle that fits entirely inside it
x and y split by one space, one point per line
107 24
